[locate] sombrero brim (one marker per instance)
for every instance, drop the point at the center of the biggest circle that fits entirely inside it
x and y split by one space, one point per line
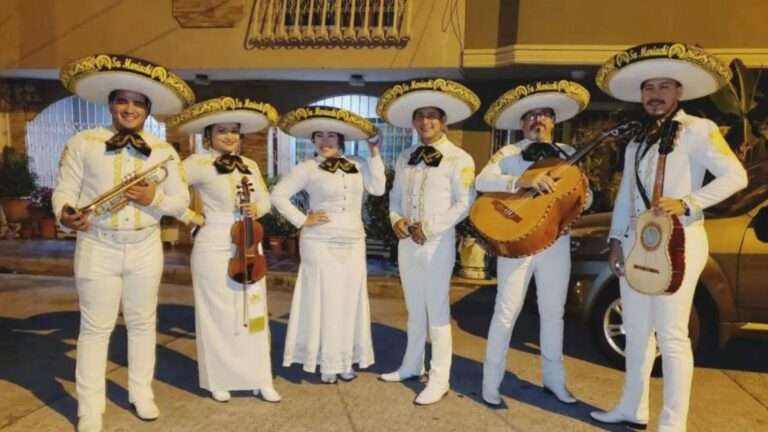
250 121
96 88
400 112
302 122
94 77
699 72
397 104
564 107
305 128
697 82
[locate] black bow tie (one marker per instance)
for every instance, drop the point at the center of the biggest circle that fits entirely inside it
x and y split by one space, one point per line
427 154
338 163
227 163
123 138
539 150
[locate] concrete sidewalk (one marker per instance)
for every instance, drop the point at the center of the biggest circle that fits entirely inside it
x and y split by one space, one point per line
39 325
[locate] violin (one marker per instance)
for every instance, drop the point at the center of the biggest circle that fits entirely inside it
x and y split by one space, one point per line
248 265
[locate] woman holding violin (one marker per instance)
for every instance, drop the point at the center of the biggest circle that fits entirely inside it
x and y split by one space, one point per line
330 323
228 265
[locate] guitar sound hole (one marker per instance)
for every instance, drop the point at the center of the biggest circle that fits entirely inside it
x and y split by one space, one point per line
651 236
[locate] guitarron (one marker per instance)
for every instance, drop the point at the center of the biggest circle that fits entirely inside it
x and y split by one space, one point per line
523 223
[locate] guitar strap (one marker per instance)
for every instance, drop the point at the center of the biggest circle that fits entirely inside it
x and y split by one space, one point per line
639 157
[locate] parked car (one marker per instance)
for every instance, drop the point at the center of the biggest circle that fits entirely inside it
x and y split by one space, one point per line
731 295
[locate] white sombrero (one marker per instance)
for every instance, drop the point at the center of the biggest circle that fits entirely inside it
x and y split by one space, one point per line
699 72
302 122
94 77
398 103
252 116
565 98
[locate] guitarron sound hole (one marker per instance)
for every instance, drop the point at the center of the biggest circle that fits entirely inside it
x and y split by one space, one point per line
651 236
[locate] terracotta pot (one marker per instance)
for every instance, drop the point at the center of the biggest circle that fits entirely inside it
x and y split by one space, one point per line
472 259
26 231
47 227
16 209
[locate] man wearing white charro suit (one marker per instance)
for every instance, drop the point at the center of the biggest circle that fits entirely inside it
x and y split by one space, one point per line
431 193
659 76
119 255
534 108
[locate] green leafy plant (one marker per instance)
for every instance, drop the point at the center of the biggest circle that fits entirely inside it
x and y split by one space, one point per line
376 215
16 179
274 223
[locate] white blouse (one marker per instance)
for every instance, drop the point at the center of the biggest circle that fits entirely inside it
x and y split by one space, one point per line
219 192
339 195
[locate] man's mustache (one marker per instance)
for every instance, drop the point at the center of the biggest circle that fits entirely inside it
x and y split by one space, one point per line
654 101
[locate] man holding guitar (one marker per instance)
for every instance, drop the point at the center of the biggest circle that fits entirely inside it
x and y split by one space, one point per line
659 76
534 108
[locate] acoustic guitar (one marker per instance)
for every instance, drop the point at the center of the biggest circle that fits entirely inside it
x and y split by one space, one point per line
521 224
656 262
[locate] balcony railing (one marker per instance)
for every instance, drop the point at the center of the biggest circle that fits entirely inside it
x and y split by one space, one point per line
348 23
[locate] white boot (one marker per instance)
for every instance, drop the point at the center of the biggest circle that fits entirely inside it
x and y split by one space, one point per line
146 410
328 378
89 423
269 394
615 417
440 372
491 395
348 376
220 395
399 376
495 362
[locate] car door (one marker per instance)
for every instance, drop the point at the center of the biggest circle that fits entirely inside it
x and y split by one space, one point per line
753 271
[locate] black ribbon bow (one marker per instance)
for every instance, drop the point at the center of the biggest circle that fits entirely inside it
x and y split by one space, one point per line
227 163
539 150
332 164
427 154
124 138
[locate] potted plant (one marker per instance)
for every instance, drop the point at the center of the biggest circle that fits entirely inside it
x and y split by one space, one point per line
378 229
16 184
41 204
279 234
472 252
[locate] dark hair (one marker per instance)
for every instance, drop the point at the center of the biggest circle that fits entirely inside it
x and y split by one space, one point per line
340 139
113 95
439 110
678 83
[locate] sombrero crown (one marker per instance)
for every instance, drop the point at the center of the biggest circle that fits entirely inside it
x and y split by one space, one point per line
251 115
94 77
303 121
565 98
398 103
699 72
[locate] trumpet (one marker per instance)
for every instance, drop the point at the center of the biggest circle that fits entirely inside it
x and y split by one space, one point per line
115 199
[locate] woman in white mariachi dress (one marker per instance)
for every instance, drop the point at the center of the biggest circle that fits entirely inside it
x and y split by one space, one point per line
330 319
233 346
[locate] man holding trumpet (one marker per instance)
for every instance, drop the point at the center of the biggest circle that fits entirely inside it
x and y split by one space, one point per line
119 255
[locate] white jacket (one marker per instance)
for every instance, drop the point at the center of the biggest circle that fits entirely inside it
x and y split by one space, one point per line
700 148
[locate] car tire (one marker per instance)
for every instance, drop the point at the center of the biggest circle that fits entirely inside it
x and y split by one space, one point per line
608 334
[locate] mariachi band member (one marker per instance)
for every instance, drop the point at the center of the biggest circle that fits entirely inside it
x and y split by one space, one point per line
330 321
119 255
233 346
431 193
534 108
659 76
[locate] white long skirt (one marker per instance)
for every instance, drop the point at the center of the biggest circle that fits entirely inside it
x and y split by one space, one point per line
330 322
231 355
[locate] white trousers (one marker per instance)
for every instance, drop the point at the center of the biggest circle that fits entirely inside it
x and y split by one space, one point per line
425 271
668 315
552 268
106 274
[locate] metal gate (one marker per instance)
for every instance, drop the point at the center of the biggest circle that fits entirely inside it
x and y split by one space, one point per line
50 130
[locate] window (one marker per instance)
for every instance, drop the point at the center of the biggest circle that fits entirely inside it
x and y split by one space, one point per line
56 124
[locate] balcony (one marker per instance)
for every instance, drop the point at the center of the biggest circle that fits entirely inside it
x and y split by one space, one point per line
329 23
